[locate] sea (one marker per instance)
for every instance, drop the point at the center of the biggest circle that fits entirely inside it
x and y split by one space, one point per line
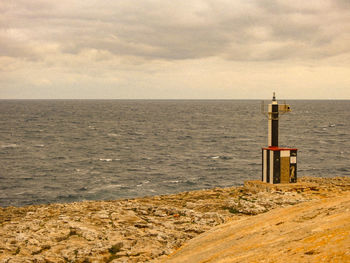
59 151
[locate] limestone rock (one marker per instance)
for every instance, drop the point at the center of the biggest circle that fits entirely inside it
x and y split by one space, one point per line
147 229
316 231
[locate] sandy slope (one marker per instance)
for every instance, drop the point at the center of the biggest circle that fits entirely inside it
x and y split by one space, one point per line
316 231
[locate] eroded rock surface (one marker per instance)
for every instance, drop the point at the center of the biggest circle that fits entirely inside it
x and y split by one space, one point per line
316 231
143 229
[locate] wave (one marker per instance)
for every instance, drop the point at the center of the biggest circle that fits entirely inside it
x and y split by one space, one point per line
108 159
9 146
223 157
113 135
190 182
171 181
105 160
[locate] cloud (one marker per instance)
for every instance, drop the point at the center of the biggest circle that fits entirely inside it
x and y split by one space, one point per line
192 45
170 30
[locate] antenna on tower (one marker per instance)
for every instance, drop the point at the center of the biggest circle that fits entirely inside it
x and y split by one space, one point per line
282 108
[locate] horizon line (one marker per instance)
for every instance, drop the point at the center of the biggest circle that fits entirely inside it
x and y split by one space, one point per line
165 99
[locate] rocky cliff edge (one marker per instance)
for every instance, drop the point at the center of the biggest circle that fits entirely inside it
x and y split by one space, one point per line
309 220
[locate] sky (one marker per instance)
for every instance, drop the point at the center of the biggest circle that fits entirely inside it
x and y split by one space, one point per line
166 49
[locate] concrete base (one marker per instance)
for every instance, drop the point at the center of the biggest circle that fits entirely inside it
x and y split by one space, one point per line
267 187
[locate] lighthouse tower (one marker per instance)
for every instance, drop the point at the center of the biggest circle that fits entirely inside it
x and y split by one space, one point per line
279 164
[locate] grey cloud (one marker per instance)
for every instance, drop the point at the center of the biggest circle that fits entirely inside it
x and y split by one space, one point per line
17 48
342 3
172 31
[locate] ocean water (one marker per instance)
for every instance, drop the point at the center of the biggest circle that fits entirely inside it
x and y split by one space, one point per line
73 150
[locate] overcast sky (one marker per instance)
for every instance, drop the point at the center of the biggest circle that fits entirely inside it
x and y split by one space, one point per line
166 49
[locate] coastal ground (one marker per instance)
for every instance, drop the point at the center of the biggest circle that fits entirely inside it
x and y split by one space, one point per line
316 231
150 229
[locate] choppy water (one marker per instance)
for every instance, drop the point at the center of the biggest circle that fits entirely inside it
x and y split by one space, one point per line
72 150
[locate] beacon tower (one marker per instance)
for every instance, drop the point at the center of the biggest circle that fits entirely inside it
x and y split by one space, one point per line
279 164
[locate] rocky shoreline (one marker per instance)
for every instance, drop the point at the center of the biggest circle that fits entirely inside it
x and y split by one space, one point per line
142 229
